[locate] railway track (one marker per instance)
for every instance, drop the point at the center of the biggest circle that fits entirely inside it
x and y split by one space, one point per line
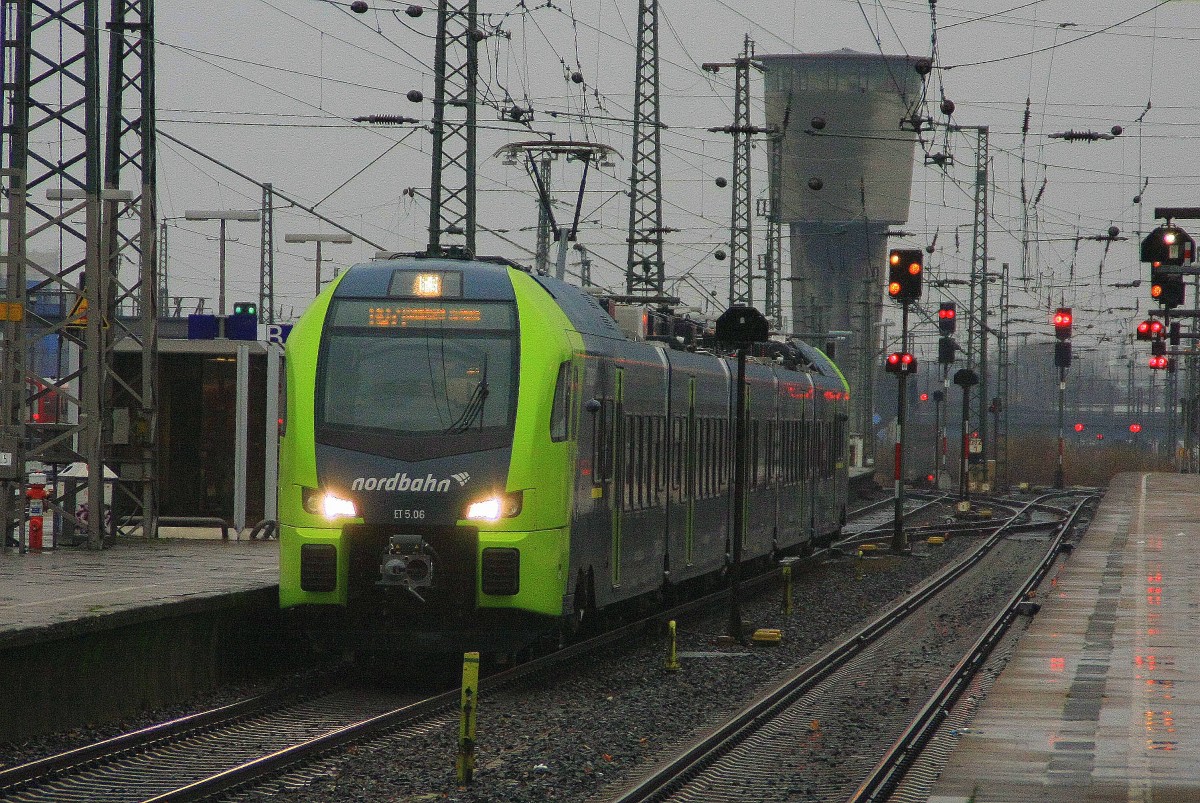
814 736
209 754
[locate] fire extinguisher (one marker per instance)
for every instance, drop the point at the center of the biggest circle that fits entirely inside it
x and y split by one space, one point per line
35 493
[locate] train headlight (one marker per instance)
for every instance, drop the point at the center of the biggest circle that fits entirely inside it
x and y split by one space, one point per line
494 508
331 506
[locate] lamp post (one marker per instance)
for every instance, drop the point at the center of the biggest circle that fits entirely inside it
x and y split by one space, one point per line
224 216
339 239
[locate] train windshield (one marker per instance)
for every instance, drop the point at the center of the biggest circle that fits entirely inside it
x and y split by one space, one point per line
418 369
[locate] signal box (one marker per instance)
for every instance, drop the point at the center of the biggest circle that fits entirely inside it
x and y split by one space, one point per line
906 267
900 362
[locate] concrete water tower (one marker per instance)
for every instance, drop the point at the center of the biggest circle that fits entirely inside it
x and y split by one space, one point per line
845 178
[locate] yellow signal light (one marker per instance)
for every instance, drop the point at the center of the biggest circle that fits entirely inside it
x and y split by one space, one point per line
914 268
894 289
894 259
1155 290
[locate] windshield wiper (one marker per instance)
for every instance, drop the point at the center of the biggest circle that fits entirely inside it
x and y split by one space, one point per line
474 406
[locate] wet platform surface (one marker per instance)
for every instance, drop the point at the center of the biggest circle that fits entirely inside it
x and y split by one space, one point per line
1101 700
73 589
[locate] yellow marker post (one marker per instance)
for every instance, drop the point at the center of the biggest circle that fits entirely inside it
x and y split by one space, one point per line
787 590
672 664
466 729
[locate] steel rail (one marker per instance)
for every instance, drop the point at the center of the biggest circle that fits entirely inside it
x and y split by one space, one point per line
52 767
890 770
669 777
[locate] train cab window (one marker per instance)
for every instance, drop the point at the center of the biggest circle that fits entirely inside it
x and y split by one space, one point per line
560 409
397 375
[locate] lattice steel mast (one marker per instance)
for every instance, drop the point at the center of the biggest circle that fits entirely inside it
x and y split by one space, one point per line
741 257
130 442
266 257
645 268
977 329
51 142
773 257
452 185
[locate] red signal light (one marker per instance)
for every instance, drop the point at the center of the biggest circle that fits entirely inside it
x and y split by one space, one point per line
946 313
924 397
1158 363
893 358
1099 436
1062 319
1079 427
1135 428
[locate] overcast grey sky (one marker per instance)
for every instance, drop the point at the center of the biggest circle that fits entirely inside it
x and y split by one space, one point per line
270 86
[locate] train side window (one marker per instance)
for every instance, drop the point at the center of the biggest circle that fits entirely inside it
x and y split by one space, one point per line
649 451
755 455
656 460
723 477
664 456
823 434
600 443
642 459
677 452
660 462
631 461
647 460
560 410
696 457
797 460
770 452
806 466
713 459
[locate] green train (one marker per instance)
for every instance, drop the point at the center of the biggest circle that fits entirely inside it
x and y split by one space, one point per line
474 456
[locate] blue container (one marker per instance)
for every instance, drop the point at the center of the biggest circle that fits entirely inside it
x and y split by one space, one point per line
241 326
202 327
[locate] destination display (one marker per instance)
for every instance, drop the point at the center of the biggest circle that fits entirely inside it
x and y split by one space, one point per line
422 314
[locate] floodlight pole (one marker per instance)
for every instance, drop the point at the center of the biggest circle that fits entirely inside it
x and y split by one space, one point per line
319 239
223 217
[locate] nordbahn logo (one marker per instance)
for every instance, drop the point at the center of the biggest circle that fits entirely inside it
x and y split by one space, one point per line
402 482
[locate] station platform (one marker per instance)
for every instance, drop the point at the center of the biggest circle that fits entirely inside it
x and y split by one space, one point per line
90 636
1100 700
74 589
